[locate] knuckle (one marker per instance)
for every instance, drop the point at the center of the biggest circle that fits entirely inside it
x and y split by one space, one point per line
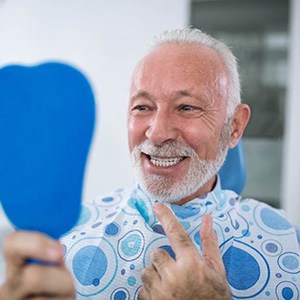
32 278
18 243
184 241
38 241
160 252
175 230
146 274
192 265
69 284
172 226
160 258
142 293
157 255
11 288
212 262
173 281
9 241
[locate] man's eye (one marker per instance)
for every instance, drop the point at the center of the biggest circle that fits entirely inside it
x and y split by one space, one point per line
141 107
186 107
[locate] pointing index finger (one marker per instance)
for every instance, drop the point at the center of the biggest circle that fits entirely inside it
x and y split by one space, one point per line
179 240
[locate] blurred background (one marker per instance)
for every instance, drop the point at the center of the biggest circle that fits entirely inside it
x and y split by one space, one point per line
106 38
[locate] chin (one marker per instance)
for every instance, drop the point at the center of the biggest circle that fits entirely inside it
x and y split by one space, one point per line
166 190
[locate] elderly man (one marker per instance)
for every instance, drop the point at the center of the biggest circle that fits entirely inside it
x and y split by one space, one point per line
184 113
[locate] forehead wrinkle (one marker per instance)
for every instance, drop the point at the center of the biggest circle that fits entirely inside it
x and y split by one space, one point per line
142 94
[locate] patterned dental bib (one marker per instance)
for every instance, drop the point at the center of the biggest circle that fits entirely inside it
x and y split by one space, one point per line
112 242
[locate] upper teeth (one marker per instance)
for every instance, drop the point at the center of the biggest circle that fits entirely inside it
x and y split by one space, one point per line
165 162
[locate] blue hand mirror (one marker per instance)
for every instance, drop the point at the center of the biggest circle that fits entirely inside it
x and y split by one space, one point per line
47 115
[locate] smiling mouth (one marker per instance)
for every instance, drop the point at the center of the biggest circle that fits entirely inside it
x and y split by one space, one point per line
164 161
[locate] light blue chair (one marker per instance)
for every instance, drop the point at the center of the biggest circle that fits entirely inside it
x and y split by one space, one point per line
233 172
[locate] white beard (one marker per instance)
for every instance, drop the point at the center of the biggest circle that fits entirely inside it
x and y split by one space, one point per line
167 190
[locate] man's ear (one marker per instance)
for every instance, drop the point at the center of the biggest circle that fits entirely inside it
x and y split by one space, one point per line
239 122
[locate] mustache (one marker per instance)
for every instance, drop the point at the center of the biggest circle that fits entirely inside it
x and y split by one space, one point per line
169 149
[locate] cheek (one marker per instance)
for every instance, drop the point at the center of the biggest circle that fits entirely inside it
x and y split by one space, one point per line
136 133
204 141
193 132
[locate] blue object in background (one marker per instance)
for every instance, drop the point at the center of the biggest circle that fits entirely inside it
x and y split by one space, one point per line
47 115
233 171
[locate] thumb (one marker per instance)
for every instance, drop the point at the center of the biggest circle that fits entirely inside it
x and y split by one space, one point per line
210 247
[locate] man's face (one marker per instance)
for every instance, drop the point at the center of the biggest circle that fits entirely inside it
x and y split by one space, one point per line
176 117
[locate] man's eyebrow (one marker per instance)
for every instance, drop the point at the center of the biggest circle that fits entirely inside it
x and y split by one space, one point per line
141 94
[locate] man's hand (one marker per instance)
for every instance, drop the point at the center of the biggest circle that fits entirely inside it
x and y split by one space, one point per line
31 280
191 276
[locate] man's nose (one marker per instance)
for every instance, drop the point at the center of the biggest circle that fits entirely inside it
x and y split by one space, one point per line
162 128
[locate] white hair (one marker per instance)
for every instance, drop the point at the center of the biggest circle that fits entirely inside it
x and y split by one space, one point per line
196 36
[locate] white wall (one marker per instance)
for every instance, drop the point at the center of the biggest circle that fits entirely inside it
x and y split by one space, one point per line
103 38
291 157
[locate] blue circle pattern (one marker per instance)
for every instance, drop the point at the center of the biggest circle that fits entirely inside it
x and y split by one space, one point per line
131 245
289 262
184 211
271 247
248 272
287 291
85 270
112 229
131 280
247 266
273 220
120 294
237 279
